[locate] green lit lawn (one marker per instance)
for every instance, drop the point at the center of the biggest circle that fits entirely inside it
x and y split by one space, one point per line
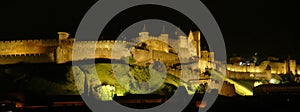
240 87
128 78
246 83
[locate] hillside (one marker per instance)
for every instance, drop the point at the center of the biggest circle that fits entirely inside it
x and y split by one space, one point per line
59 79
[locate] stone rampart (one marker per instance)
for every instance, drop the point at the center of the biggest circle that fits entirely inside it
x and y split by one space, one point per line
18 47
28 58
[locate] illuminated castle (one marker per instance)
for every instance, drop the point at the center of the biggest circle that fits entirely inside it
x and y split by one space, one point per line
186 47
52 50
63 49
238 69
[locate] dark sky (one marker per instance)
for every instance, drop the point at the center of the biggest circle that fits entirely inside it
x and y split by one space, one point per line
268 27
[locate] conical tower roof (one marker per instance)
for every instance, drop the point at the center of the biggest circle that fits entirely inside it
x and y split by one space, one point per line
144 28
178 32
163 31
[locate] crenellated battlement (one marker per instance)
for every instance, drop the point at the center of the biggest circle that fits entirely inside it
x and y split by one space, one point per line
27 47
42 42
141 39
21 55
108 44
62 50
44 46
27 58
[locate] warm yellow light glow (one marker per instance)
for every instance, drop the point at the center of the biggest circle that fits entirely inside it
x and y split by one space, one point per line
240 89
257 83
19 105
201 104
274 81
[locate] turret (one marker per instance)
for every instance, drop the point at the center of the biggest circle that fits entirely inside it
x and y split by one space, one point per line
197 37
63 35
144 33
164 36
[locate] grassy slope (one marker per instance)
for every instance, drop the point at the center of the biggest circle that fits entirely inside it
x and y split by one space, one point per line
106 76
52 79
42 79
246 83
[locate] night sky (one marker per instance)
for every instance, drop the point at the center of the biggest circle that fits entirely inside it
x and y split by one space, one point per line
248 26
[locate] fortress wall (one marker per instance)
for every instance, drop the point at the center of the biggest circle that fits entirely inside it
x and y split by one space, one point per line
238 75
48 42
148 56
237 68
278 68
247 75
108 44
90 50
184 53
263 66
209 56
119 52
155 44
174 44
90 53
166 58
83 53
203 64
28 58
185 74
141 55
63 54
40 42
103 53
66 42
27 46
142 39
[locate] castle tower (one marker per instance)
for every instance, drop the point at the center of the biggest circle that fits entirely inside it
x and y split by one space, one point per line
197 37
164 36
290 66
288 70
192 44
63 35
182 38
144 32
183 46
183 42
191 36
